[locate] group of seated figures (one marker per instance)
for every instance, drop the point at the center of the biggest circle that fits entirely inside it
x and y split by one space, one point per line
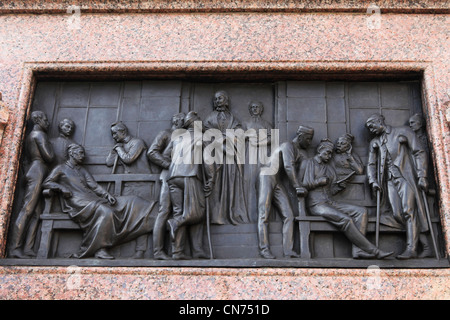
195 189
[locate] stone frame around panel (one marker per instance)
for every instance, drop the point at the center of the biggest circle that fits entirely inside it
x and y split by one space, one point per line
129 70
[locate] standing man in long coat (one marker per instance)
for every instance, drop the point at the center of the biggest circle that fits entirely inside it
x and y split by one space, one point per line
398 166
228 204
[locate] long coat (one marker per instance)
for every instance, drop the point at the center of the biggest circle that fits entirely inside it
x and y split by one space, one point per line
407 158
227 201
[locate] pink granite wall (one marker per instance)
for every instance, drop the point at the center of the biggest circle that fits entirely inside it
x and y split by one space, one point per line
42 283
263 36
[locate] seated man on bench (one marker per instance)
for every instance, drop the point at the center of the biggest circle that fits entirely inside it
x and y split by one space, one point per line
106 221
319 178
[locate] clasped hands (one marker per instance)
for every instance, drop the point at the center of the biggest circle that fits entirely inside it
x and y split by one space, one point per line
117 145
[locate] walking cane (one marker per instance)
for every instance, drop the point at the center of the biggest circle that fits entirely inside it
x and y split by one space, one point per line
116 160
377 222
430 225
208 223
377 225
208 230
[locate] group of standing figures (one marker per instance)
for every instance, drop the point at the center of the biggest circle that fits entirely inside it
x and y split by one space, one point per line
194 191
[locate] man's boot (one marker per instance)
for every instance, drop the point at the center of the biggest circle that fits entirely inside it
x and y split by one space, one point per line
427 252
412 239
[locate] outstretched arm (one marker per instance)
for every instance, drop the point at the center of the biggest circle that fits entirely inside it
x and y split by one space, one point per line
52 183
94 186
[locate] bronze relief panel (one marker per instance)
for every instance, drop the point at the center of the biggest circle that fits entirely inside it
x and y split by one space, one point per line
286 171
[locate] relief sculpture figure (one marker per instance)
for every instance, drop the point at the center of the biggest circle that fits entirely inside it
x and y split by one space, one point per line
105 220
39 153
66 128
258 143
228 204
159 154
288 158
417 124
130 152
242 174
397 167
320 179
345 161
190 183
